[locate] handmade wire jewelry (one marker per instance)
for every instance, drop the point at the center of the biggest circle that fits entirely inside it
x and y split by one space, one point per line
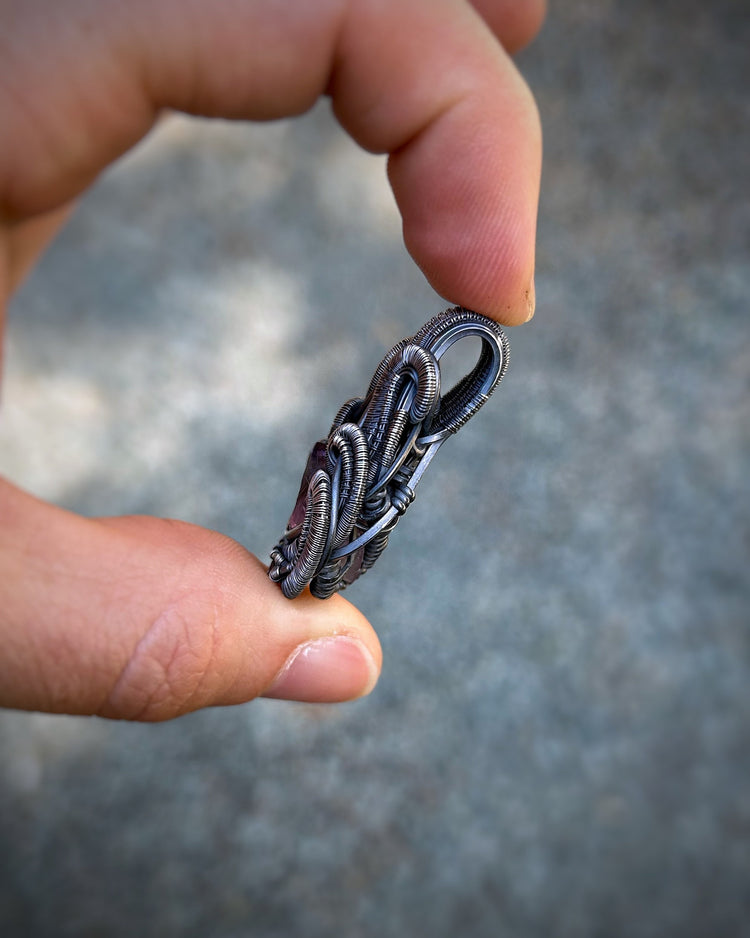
362 478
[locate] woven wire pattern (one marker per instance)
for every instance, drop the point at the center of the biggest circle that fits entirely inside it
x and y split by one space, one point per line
362 478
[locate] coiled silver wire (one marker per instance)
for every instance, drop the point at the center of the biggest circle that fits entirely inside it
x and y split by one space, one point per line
362 478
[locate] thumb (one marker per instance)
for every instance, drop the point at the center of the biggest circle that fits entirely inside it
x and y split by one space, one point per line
145 619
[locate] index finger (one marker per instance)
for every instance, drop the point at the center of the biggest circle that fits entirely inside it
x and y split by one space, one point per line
423 80
443 98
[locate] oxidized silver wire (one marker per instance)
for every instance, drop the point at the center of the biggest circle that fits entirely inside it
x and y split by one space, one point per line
359 481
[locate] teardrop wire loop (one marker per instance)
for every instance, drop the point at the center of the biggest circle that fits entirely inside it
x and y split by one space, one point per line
363 477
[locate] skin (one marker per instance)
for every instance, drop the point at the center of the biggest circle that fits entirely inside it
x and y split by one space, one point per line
143 618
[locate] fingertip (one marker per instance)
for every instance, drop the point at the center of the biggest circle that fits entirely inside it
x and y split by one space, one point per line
483 260
333 669
514 23
489 277
468 190
329 651
310 619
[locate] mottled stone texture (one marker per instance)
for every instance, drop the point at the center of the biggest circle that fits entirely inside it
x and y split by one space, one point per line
560 743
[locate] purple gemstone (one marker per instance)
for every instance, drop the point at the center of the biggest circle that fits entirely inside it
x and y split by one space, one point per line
316 460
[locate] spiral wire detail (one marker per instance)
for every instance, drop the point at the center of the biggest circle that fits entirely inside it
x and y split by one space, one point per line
362 478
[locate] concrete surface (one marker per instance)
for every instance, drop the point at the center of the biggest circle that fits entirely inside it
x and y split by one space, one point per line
560 743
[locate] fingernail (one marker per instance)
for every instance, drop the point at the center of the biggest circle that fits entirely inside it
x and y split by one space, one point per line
531 300
326 670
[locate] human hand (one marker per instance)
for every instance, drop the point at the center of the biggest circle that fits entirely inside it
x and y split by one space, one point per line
143 618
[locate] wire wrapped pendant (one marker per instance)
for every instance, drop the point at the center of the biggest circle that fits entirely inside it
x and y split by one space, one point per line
359 481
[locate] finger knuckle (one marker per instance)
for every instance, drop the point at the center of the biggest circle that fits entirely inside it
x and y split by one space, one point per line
172 669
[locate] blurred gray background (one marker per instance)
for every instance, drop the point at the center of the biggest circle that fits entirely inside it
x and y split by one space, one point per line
560 742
